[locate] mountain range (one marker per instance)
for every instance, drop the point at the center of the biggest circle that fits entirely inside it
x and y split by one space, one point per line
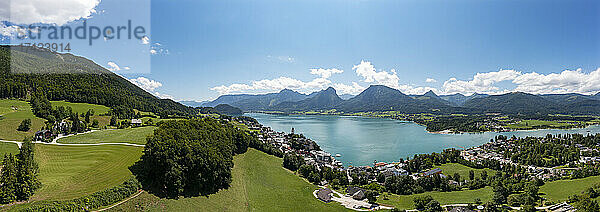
383 98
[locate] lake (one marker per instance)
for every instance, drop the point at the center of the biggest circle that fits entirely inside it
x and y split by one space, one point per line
362 140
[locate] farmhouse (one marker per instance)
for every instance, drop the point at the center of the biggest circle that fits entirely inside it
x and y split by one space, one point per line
324 194
432 172
43 135
136 122
355 192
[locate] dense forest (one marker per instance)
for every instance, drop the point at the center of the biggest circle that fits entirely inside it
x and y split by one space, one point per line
190 157
24 71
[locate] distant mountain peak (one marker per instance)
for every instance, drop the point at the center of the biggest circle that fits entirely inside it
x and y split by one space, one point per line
430 93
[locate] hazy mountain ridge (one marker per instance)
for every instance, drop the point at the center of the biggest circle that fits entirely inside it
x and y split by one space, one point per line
383 98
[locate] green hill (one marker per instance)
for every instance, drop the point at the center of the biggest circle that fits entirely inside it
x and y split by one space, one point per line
26 70
259 183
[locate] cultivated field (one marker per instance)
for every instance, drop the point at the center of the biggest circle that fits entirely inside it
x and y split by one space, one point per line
68 172
259 184
11 118
129 135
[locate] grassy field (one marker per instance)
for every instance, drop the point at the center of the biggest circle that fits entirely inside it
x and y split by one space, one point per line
466 196
561 190
6 148
129 135
259 184
450 168
10 119
531 124
82 107
68 172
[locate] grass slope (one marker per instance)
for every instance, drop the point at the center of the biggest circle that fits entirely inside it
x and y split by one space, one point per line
68 172
82 107
561 190
11 119
259 184
129 135
6 148
445 198
450 168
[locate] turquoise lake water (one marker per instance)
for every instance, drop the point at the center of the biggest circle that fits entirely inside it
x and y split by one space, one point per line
362 140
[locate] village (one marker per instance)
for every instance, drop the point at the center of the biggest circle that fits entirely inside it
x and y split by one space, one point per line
354 197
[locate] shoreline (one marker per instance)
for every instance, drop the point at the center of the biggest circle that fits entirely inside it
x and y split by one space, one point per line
443 132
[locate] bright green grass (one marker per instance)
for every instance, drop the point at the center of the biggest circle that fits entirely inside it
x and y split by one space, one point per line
68 172
129 135
82 107
450 168
6 148
530 124
561 190
11 119
259 184
445 198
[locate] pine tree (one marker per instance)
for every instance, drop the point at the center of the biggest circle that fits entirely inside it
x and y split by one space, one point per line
8 180
27 171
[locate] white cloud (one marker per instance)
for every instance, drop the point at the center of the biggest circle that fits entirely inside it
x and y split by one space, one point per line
158 49
325 73
565 82
366 70
283 59
115 67
12 31
481 83
430 80
47 11
353 89
145 40
417 90
163 96
269 85
146 84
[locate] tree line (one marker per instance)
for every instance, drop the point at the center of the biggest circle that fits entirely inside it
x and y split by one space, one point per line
18 175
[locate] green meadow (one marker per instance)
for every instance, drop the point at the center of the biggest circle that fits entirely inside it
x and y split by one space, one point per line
12 113
450 168
562 189
532 124
135 135
100 111
445 198
259 184
6 148
68 172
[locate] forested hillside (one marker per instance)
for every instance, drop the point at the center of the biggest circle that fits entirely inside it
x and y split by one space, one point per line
27 70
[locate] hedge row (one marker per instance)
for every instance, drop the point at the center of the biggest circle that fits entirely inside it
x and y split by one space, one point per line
90 202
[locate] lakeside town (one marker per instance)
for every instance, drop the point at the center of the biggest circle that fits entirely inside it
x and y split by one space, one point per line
354 198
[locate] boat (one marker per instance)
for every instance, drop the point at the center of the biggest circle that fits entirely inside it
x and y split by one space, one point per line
338 155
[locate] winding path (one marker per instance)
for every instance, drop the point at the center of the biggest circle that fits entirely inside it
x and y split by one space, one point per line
63 144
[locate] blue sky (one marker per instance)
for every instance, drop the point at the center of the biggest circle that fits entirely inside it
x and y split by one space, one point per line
208 48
